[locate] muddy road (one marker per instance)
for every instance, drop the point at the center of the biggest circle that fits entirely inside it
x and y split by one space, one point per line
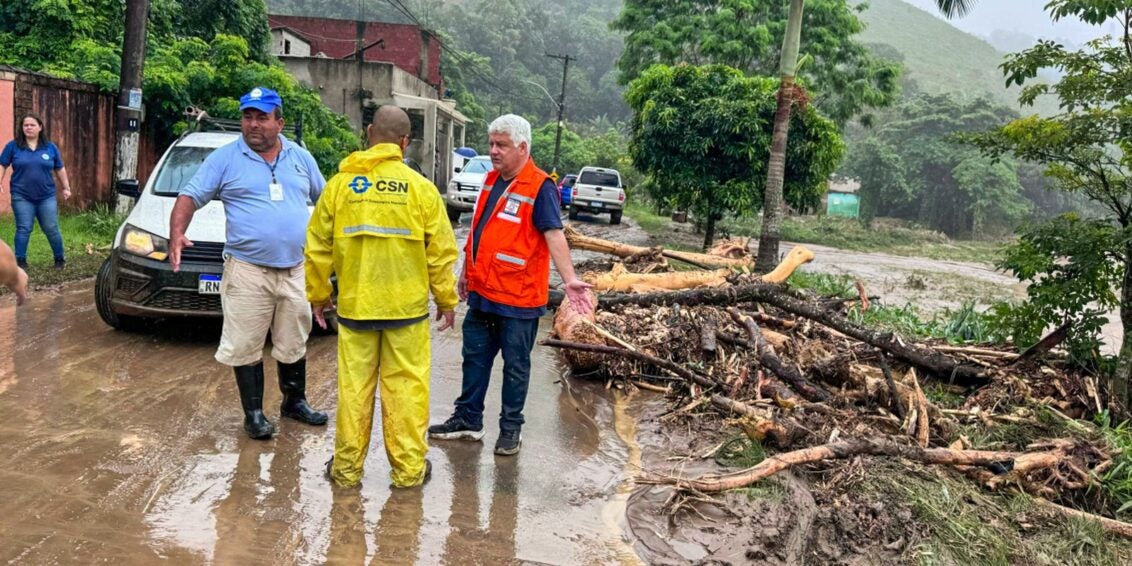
128 449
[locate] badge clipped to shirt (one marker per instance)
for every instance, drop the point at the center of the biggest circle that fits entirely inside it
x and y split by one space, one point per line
511 206
276 191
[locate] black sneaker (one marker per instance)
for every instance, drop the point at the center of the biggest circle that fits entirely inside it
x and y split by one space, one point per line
60 264
22 264
455 428
508 442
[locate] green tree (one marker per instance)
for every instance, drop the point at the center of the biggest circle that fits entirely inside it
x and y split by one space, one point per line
914 165
198 53
1086 148
574 155
700 133
787 95
746 34
880 169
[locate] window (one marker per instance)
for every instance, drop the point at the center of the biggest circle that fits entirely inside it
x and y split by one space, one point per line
600 178
178 169
477 166
286 46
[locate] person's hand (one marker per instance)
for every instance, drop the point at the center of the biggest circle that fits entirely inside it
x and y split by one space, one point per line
66 194
462 287
176 244
319 312
449 319
576 294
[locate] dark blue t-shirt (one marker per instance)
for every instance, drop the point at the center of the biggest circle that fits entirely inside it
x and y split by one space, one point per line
545 217
31 169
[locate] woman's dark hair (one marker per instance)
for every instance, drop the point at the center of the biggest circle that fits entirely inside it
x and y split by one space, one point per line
22 140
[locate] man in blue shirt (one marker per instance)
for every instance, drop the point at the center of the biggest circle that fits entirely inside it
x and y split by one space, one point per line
267 185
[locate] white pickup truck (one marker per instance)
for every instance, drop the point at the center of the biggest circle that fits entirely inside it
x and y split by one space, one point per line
597 191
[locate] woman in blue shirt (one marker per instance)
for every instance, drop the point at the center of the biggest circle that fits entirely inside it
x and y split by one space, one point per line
36 165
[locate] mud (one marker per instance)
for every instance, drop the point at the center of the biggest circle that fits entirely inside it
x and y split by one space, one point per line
128 448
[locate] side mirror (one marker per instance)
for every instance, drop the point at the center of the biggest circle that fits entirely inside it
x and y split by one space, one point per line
129 188
457 169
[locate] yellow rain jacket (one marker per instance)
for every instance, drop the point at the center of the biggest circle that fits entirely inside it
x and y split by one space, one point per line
383 229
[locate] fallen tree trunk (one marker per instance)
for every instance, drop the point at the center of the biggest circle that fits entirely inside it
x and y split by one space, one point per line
932 361
769 359
619 279
579 241
771 389
837 451
675 368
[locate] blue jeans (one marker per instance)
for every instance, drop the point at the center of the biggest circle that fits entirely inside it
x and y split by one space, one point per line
485 334
47 212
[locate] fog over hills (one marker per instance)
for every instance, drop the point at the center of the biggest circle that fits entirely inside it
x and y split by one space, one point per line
1016 20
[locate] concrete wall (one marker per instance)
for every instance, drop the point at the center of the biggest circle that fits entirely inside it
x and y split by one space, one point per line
344 86
284 43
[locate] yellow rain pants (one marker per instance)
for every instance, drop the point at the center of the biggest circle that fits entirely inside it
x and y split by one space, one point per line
399 359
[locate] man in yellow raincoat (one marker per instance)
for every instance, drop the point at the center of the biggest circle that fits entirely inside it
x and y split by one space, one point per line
382 228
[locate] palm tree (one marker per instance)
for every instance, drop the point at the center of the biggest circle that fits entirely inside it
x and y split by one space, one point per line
776 168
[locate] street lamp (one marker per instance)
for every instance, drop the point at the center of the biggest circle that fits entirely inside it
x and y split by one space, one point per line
561 105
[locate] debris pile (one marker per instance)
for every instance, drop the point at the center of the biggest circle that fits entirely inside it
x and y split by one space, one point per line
797 375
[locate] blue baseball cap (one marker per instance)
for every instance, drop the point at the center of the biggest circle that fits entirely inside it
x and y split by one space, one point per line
263 99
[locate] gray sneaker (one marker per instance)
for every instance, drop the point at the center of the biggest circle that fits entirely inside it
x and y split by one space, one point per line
455 428
508 442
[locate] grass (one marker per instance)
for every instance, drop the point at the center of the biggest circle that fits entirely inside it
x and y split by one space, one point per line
86 237
957 326
886 236
889 236
966 525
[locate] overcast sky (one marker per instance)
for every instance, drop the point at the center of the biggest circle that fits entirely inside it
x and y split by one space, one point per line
1025 16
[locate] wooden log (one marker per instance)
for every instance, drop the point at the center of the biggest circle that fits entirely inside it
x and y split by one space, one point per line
579 241
712 483
770 360
573 326
894 394
707 335
1111 526
925 358
618 279
676 369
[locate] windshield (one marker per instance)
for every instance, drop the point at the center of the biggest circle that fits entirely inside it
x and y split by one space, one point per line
600 178
178 168
477 166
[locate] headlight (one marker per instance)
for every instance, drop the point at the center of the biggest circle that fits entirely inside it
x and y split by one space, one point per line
452 186
142 243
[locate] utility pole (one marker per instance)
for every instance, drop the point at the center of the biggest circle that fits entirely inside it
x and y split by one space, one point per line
130 96
561 109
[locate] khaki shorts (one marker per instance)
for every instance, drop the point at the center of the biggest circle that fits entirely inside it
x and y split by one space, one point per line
256 299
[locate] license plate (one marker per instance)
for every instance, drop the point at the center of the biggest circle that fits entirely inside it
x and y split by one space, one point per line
209 285
596 204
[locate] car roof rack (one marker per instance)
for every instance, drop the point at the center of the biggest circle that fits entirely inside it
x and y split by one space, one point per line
200 121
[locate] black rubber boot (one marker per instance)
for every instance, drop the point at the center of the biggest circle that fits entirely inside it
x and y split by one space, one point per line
293 384
250 381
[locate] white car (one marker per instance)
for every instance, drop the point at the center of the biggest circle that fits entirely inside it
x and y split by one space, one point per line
137 281
596 191
464 188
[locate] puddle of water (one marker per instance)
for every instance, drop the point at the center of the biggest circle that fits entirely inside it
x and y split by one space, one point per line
129 448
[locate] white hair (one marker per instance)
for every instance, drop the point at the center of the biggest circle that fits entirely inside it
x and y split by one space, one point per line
517 127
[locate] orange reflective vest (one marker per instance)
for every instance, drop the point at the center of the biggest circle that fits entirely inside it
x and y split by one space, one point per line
512 263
